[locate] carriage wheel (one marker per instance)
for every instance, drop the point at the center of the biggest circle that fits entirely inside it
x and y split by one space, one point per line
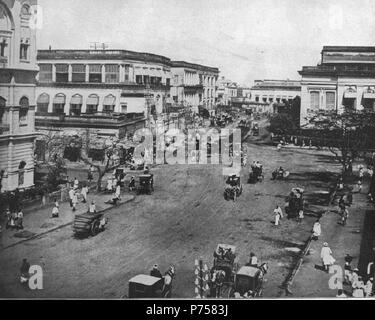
95 228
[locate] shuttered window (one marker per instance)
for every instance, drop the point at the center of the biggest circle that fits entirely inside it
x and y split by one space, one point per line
78 73
330 100
45 73
112 74
314 100
95 73
62 73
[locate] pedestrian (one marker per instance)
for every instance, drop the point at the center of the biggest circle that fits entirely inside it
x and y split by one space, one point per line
75 201
55 211
326 256
361 173
277 216
341 294
345 216
300 215
84 192
76 184
92 208
56 202
348 269
280 211
279 146
253 262
71 195
20 220
368 287
155 272
118 192
25 271
317 230
359 186
90 174
358 288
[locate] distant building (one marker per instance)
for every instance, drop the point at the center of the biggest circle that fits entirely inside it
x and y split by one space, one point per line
226 91
109 92
275 92
345 79
18 70
194 85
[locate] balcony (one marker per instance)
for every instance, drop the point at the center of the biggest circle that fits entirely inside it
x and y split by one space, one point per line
96 120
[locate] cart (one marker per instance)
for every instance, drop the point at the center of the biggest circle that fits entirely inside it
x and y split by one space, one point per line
87 224
233 188
248 283
145 287
146 184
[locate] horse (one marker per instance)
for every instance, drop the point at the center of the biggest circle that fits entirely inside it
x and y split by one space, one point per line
264 268
168 279
217 281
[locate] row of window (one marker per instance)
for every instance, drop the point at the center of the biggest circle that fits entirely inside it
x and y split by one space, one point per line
330 100
76 103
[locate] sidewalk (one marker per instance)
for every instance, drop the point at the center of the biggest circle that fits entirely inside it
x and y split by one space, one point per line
38 221
311 281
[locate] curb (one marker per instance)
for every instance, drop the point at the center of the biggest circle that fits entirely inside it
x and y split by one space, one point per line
59 227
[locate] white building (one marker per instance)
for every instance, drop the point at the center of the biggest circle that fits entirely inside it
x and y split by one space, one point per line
345 79
18 70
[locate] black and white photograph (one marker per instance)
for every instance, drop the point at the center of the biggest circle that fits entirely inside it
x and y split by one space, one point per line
205 150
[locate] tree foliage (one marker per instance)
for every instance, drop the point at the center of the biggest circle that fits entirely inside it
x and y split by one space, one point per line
282 123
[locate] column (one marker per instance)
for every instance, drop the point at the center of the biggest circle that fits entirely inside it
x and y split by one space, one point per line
53 73
70 73
87 73
103 73
122 73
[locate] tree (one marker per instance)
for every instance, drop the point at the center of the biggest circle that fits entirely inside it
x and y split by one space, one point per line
345 134
282 123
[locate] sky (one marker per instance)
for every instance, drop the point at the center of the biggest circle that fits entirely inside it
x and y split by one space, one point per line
245 39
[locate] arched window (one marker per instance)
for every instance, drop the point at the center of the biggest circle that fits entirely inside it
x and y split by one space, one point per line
24 104
42 103
109 104
92 104
59 103
5 28
76 105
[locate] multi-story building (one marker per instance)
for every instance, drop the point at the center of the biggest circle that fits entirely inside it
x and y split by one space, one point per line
345 78
194 85
109 92
18 70
226 91
275 92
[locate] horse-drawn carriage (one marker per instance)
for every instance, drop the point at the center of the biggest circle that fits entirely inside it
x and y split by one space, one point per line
230 281
146 184
295 203
88 224
256 174
233 188
280 174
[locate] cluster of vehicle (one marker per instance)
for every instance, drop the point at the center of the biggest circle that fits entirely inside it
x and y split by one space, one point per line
229 280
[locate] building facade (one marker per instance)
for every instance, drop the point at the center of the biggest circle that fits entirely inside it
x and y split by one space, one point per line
345 79
194 85
18 70
275 91
111 92
226 91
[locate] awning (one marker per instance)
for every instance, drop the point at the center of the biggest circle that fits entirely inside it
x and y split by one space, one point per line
109 101
59 99
92 100
43 99
350 94
369 95
76 100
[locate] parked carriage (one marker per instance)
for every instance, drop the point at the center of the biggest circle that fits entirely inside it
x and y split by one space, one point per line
88 224
295 202
279 174
233 188
146 184
248 283
145 287
224 260
256 175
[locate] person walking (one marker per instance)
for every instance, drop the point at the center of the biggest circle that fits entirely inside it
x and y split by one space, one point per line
90 174
71 195
345 216
300 215
358 288
92 208
118 192
24 270
359 186
20 220
326 256
75 201
277 215
76 184
84 192
317 230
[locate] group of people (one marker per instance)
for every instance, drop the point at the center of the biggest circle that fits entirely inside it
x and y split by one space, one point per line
14 221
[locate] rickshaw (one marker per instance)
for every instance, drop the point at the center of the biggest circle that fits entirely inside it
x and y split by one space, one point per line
145 287
248 283
146 184
88 224
280 174
256 175
233 188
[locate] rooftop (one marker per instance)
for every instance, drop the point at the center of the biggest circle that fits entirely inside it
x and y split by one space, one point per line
184 64
348 49
101 55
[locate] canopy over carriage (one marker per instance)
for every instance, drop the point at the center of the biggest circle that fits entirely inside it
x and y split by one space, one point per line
87 224
233 188
145 286
224 259
248 282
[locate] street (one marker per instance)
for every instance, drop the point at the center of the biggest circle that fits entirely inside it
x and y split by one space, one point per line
183 220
